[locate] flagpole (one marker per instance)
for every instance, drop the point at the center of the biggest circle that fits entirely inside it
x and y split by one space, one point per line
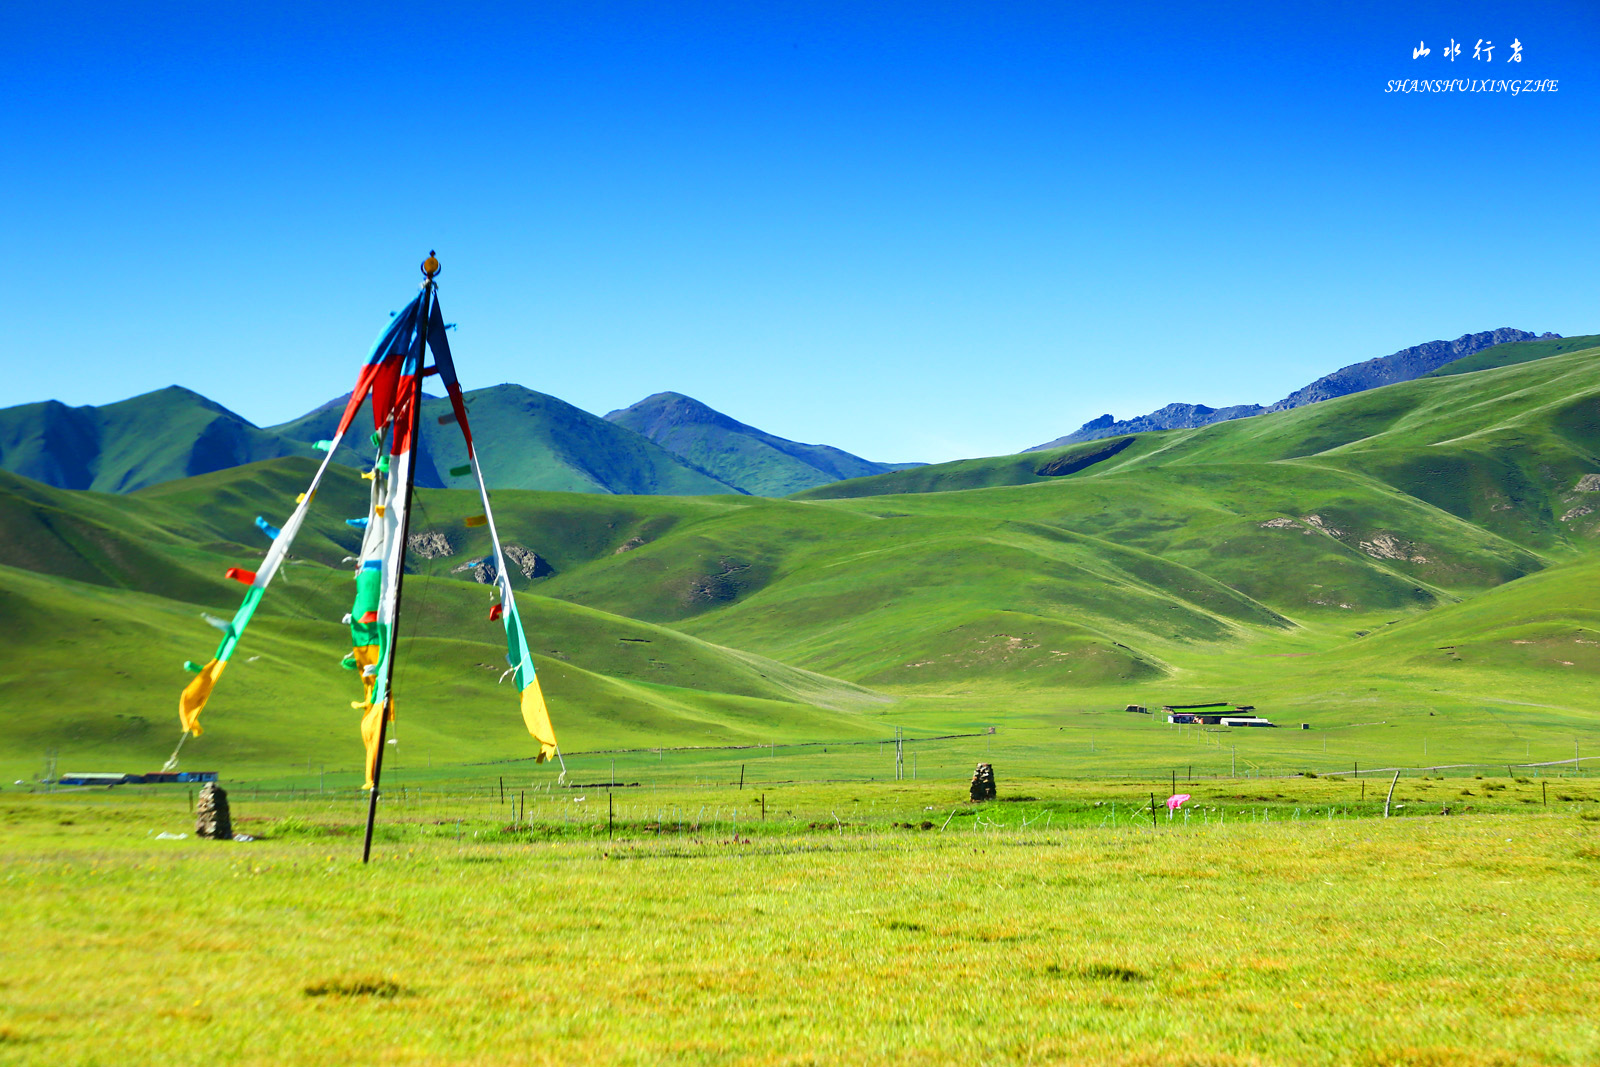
430 268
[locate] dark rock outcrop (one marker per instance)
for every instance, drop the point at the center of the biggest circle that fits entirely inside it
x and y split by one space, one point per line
529 562
429 545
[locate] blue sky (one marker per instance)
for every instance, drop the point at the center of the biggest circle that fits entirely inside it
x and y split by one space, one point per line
915 231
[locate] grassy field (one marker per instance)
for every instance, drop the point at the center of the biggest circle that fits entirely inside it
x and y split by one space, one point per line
728 866
1280 923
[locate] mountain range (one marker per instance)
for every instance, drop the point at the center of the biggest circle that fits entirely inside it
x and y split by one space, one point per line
666 444
1402 366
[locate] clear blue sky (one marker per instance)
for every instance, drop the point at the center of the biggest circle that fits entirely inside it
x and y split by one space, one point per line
915 231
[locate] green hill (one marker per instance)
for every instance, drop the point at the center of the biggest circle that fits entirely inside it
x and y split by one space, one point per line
157 437
1029 468
1504 448
102 598
749 459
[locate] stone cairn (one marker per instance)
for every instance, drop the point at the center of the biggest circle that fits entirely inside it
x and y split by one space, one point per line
983 782
211 818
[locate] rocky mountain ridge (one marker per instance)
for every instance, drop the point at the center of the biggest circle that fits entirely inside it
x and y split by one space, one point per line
1402 366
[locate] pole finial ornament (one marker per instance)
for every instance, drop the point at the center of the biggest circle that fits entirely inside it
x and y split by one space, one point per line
430 266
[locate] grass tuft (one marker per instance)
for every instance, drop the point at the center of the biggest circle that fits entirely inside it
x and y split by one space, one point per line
355 987
1099 972
1110 973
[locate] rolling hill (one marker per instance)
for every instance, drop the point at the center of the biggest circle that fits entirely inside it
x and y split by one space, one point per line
104 594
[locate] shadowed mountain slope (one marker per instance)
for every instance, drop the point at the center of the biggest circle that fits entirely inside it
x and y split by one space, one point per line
749 459
156 437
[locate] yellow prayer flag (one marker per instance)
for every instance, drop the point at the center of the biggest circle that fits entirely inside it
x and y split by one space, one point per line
192 701
537 718
366 656
371 725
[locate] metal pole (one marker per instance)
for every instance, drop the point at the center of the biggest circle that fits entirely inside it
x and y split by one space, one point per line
423 313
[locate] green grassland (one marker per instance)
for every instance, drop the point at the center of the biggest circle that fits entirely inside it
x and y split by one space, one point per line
839 930
730 865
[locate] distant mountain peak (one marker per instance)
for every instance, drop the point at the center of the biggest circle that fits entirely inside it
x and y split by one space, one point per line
1402 366
741 455
668 409
181 395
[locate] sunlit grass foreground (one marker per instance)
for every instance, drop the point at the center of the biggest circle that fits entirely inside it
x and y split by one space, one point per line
1425 940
